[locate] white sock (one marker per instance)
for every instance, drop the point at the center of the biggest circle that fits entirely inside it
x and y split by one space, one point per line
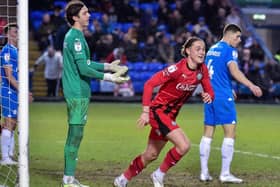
204 148
227 154
12 144
159 173
123 178
5 143
68 179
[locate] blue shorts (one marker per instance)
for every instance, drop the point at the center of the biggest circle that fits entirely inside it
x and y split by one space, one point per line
221 111
9 103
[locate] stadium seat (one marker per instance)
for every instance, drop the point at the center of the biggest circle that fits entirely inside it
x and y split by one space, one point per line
96 15
95 86
126 26
62 4
138 86
36 15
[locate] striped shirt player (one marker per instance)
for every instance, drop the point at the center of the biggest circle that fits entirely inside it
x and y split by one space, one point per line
177 83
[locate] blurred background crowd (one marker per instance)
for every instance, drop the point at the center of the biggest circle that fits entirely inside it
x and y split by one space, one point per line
147 35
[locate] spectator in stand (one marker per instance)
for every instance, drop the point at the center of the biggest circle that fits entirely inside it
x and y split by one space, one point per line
3 23
210 11
175 21
163 12
165 50
56 17
195 10
246 62
106 25
131 45
179 41
117 54
104 47
90 40
219 22
201 26
45 32
150 50
126 12
233 17
53 69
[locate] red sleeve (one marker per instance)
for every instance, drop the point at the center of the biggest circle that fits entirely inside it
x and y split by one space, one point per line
206 84
156 80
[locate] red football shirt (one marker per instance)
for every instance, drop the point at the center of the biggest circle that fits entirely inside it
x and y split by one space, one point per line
177 83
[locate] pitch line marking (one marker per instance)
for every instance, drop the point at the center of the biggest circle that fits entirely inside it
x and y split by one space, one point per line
261 155
247 153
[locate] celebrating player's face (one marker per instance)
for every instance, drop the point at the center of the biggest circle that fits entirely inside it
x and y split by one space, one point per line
84 17
197 52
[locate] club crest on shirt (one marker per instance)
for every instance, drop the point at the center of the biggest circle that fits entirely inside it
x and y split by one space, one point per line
234 54
199 76
7 57
78 46
88 62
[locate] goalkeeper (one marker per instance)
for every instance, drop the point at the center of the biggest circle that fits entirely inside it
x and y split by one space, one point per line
78 70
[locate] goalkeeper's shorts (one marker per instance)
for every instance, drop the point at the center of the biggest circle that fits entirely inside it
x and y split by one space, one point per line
77 109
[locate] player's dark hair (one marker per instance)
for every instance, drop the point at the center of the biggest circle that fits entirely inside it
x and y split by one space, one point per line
231 28
9 26
188 43
72 9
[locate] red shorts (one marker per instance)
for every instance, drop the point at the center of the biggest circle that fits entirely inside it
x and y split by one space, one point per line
161 124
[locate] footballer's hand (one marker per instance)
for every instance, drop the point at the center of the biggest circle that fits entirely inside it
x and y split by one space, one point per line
257 91
115 67
206 98
143 120
116 78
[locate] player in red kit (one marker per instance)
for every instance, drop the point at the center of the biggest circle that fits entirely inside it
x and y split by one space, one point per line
177 83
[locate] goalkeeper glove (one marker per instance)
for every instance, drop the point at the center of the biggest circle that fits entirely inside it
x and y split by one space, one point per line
115 67
116 78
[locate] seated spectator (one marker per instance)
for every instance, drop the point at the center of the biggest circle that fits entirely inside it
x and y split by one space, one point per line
104 47
45 32
150 50
117 53
130 44
165 50
56 18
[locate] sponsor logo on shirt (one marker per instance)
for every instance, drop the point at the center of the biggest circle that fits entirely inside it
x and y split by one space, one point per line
185 87
214 53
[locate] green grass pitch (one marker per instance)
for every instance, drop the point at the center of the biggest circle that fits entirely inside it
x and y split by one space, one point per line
112 140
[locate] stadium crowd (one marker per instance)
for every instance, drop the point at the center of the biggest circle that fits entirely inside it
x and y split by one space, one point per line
154 31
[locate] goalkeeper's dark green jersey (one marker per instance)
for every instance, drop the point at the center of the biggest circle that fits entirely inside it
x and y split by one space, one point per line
78 69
